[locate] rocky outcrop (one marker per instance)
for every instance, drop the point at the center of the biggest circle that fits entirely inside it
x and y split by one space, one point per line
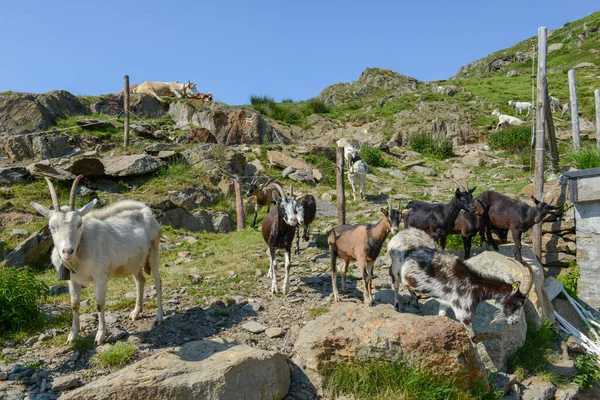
205 369
141 105
10 175
194 197
168 213
24 112
35 146
137 164
33 251
352 332
215 158
229 125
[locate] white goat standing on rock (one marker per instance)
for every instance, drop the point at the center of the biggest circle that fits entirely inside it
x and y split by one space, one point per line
506 119
520 106
116 241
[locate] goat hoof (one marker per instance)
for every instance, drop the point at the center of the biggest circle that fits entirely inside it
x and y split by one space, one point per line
72 338
135 315
99 339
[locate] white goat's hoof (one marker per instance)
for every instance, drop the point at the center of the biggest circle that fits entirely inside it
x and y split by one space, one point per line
135 315
100 339
72 337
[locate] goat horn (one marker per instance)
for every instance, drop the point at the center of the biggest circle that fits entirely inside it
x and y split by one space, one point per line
266 183
281 191
53 195
527 283
74 192
457 184
390 205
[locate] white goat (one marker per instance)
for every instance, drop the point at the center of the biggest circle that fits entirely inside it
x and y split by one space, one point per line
554 103
520 106
357 175
506 119
119 240
564 108
350 151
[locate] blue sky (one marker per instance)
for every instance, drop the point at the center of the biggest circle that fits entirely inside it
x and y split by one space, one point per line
234 49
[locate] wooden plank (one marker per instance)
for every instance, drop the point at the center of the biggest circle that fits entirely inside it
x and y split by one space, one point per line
540 125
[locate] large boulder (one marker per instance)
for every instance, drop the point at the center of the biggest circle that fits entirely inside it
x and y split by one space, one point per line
169 213
283 160
24 112
136 164
10 175
214 159
353 332
33 251
229 125
205 369
194 197
45 169
141 105
87 166
35 146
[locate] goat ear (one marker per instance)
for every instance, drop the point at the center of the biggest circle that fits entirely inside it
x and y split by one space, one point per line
472 190
457 192
384 211
536 201
41 209
515 287
88 207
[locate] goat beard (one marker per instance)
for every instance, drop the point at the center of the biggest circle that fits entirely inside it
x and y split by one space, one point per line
499 317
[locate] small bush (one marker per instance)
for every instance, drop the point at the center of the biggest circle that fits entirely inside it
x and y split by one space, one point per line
20 292
513 138
585 158
569 280
256 100
373 157
588 372
428 146
317 106
267 106
116 355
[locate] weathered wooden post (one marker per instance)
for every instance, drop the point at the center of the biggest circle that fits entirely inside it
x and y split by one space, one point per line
553 146
339 185
239 202
574 109
597 96
540 124
126 112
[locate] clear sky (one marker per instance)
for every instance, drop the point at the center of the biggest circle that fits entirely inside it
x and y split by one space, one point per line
285 49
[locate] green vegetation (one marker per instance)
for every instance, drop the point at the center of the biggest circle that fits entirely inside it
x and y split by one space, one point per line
116 355
317 311
585 158
323 164
373 157
511 139
539 349
569 280
588 372
20 292
317 106
430 147
382 380
283 112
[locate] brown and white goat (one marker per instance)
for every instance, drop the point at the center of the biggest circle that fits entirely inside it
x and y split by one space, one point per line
278 230
425 270
306 211
360 243
263 195
506 213
438 219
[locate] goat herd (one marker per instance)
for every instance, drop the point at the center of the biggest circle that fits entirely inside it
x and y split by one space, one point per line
521 106
123 239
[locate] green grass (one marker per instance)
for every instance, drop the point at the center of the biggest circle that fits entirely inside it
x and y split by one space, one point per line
588 372
115 356
383 380
324 165
373 157
539 349
585 158
317 311
20 292
317 106
511 139
430 147
569 280
455 242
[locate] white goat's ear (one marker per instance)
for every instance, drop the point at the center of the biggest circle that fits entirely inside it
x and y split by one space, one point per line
88 207
41 209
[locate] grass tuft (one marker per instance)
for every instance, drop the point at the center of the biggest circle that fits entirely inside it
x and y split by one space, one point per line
373 157
317 311
585 158
430 147
317 106
20 292
569 280
588 372
115 356
511 139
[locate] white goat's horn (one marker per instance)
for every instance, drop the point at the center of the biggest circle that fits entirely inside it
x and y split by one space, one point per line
74 192
53 195
460 187
281 191
527 283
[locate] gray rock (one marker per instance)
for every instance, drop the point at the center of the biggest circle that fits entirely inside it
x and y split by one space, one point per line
194 197
138 164
11 175
287 171
555 47
325 209
274 332
567 392
512 73
33 251
3 376
65 382
206 369
252 307
537 388
116 335
87 166
394 172
222 222
303 176
59 289
142 105
254 327
423 170
254 167
45 169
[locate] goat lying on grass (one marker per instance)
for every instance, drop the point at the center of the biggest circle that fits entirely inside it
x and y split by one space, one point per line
504 119
360 243
506 213
438 219
425 270
278 230
95 246
306 212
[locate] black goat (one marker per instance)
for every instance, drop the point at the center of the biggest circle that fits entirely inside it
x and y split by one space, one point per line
307 210
506 213
438 219
467 225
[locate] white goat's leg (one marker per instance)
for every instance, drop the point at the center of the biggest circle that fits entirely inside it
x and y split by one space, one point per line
139 284
286 279
353 188
100 287
154 261
270 272
75 290
274 288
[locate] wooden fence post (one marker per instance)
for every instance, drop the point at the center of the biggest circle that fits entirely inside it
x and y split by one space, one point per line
597 96
552 145
540 124
574 109
339 185
239 202
126 112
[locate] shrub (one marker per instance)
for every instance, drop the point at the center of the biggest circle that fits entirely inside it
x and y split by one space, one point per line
317 106
569 280
267 106
513 138
588 372
20 291
585 158
428 146
116 355
373 157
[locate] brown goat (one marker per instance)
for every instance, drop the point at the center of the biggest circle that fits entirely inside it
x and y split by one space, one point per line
307 211
360 243
263 193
